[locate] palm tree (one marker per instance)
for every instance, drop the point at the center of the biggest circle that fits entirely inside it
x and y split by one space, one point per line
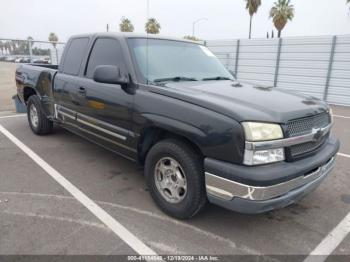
8 47
152 26
252 7
53 38
281 12
29 41
13 44
126 25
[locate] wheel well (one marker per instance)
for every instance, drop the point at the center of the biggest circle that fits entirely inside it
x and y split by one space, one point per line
151 135
27 92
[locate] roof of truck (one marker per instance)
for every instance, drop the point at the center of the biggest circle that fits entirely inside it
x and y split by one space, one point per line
134 35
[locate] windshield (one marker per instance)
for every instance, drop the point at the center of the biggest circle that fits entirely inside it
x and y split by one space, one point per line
175 61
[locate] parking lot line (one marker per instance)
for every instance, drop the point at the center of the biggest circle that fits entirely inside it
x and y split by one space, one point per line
339 116
124 234
344 155
330 242
11 116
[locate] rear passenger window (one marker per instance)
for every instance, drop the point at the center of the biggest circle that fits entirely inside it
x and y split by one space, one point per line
74 56
106 51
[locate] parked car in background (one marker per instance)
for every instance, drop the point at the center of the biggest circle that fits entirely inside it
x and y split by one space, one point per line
22 60
173 107
10 59
45 60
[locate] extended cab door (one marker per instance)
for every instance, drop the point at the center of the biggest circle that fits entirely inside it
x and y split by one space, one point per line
65 85
105 110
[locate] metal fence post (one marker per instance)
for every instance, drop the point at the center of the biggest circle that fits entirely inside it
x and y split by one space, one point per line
237 56
30 51
278 59
330 67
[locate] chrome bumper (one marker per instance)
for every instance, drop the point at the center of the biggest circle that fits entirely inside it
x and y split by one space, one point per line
226 189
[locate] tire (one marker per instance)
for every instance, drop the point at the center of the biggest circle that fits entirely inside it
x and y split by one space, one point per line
40 125
190 163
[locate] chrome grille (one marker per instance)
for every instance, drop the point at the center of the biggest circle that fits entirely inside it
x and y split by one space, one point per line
307 147
304 126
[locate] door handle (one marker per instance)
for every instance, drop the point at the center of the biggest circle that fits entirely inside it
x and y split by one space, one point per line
82 90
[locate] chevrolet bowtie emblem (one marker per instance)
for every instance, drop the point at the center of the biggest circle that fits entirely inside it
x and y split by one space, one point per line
318 133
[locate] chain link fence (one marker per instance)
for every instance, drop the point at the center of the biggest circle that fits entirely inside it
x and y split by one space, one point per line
30 51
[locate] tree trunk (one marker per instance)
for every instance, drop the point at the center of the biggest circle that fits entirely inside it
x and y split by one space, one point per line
250 27
279 33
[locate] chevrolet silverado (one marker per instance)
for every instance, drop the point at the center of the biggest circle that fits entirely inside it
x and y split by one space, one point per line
170 105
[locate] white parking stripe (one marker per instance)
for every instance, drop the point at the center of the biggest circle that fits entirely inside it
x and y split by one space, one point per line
11 116
346 117
344 155
135 243
330 242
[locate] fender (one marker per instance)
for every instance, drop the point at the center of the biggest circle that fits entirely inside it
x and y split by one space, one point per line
192 133
211 142
41 81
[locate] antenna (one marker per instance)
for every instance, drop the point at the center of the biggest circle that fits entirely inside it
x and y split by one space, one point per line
147 42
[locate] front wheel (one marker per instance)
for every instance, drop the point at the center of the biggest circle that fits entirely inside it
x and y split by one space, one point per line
38 121
175 177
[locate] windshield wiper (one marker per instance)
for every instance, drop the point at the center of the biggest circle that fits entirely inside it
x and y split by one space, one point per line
175 79
216 78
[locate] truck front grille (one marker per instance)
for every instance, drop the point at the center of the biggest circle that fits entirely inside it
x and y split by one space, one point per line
304 126
307 147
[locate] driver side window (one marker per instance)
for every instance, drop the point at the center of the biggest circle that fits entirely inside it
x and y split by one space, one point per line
106 51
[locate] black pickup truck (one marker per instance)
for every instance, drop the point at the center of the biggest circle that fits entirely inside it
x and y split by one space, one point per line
170 105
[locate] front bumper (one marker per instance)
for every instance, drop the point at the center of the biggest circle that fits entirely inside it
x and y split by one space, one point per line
289 181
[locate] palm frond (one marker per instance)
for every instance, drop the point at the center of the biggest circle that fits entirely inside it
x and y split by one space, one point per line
252 6
126 25
152 26
282 12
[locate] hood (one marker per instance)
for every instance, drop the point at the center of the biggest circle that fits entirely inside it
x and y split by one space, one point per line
245 102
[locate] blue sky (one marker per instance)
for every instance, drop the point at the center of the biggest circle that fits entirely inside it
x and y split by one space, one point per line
226 18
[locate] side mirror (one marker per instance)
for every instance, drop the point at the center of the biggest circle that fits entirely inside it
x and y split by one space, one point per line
109 74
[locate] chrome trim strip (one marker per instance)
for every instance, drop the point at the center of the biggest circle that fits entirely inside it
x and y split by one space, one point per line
55 111
101 129
87 123
227 189
102 123
273 144
66 115
103 138
59 107
63 108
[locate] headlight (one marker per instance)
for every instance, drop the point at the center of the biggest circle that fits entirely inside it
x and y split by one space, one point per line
260 157
255 132
262 131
